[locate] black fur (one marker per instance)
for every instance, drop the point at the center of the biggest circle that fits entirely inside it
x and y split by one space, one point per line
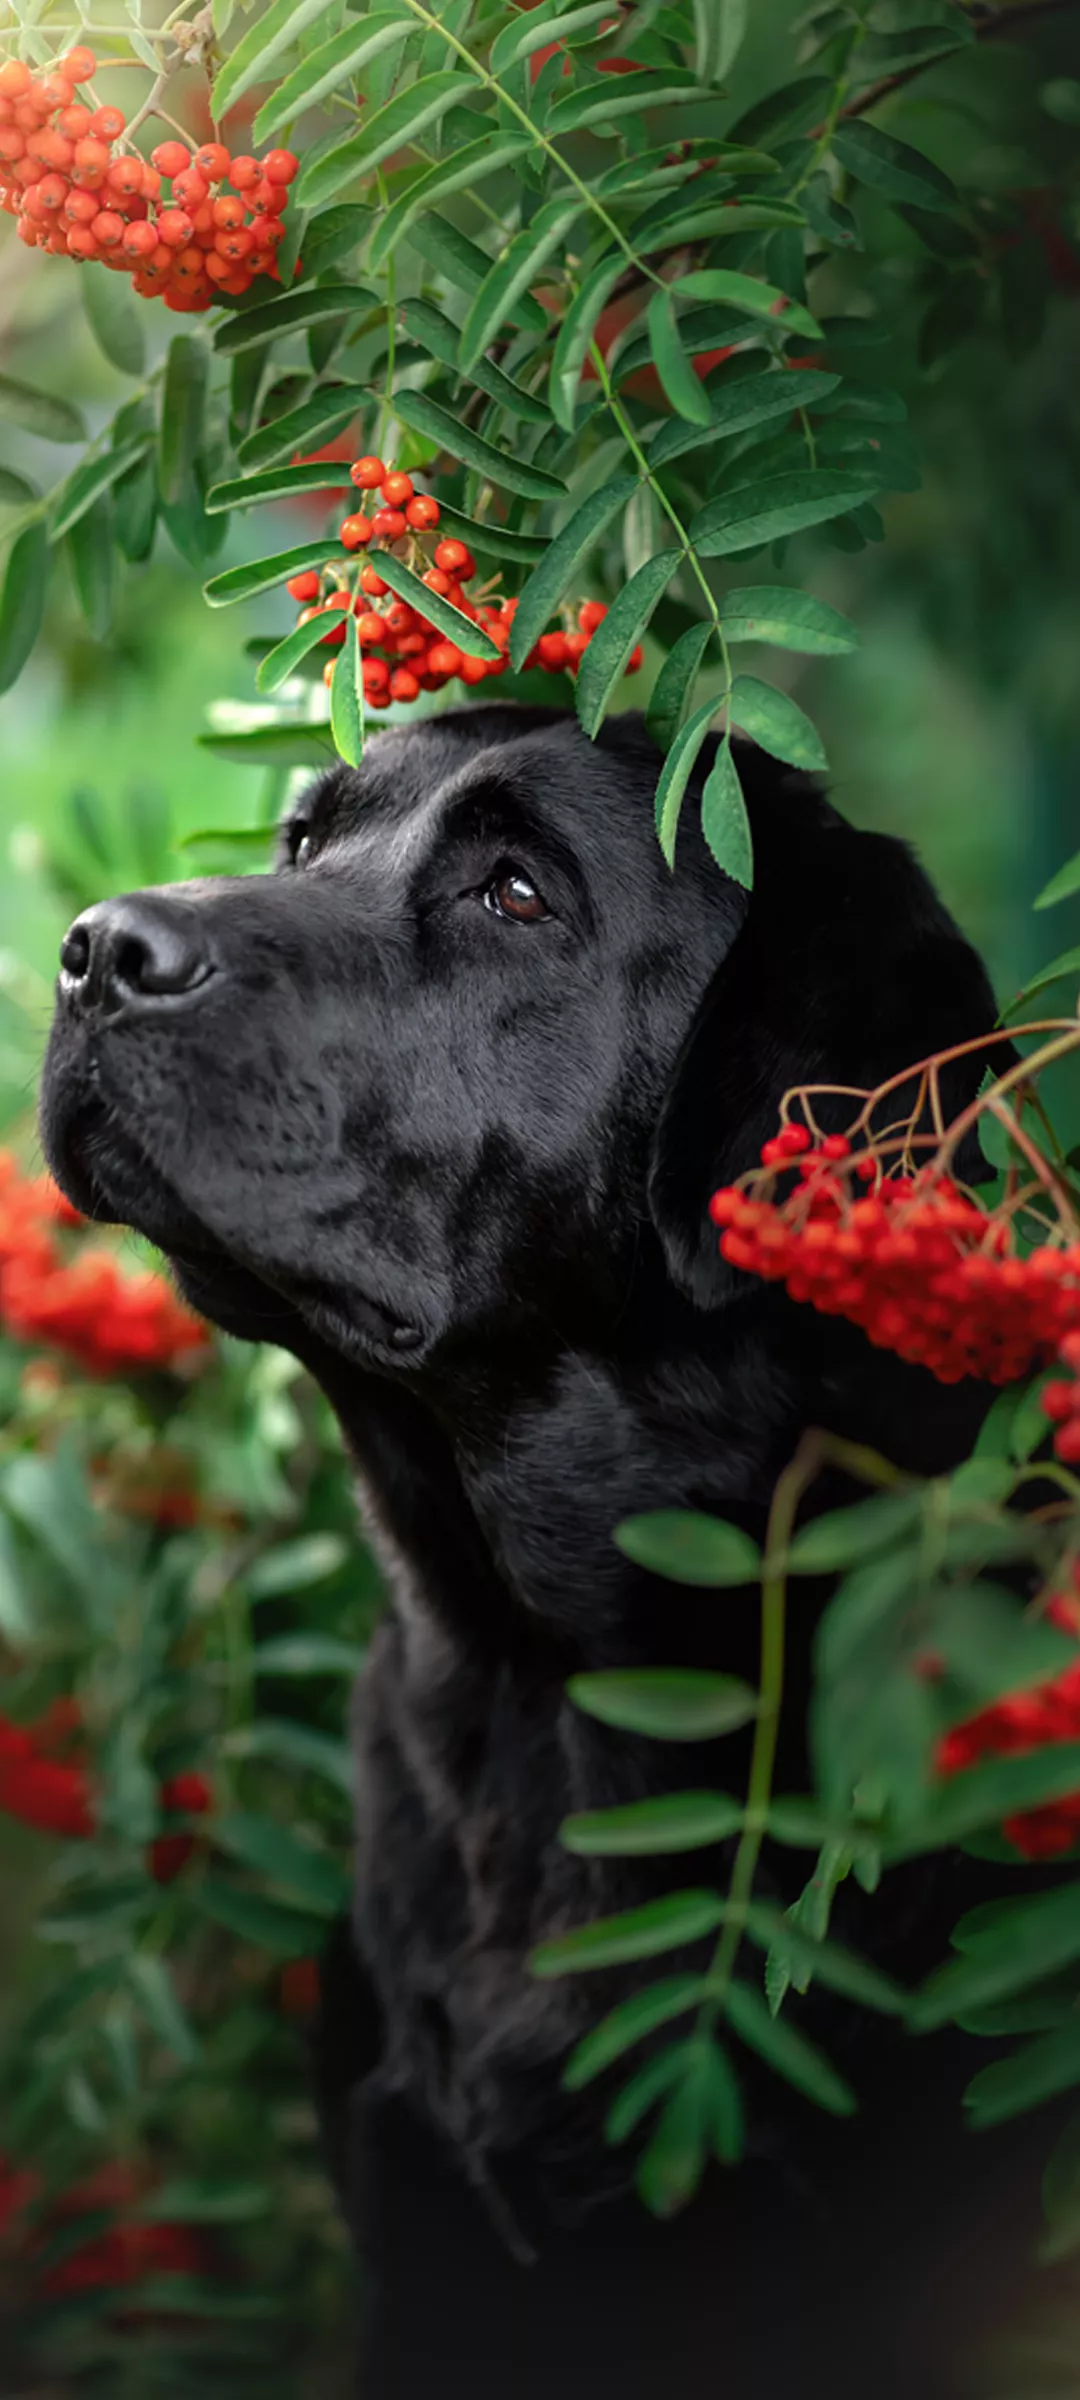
461 1167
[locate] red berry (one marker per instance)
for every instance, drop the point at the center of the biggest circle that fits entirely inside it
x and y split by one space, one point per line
268 199
212 161
75 121
355 532
108 123
370 627
56 91
400 618
243 171
228 210
125 176
372 583
367 474
174 228
452 556
376 675
92 158
635 660
80 208
15 78
437 581
403 684
576 644
50 149
107 229
305 586
397 489
423 514
388 524
190 189
590 615
444 658
171 158
279 166
140 241
552 652
81 243
79 65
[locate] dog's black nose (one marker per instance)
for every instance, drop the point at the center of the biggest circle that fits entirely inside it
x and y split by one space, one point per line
146 947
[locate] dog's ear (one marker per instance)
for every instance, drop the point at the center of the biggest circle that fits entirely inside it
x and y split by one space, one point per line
847 970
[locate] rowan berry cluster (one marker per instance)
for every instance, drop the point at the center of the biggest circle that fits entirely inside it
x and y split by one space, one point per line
38 1784
404 654
914 1261
84 1304
1026 1721
1060 1401
187 1795
76 194
120 2254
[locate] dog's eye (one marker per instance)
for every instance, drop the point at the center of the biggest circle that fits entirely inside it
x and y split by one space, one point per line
513 894
301 846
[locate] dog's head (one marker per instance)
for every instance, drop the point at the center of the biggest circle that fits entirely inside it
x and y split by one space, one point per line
472 1053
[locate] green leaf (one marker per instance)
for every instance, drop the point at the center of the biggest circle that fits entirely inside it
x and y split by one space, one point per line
787 2051
986 1795
753 513
673 2161
682 386
562 560
464 169
675 683
307 1654
269 1924
724 821
1030 2076
426 416
575 335
622 97
329 68
491 539
665 1924
280 662
292 1567
114 321
183 408
688 1547
38 412
305 427
671 1704
294 1745
747 292
92 553
604 663
293 313
827 1962
22 601
675 1821
767 612
135 509
846 1535
719 30
675 775
16 490
347 698
513 274
646 2087
450 621
279 483
891 167
154 1988
518 41
1022 1942
261 574
1068 964
436 334
1061 886
629 2022
285 1860
90 480
776 723
398 122
261 46
186 2200
272 746
770 392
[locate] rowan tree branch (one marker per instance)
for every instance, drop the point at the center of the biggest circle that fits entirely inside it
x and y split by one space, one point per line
987 27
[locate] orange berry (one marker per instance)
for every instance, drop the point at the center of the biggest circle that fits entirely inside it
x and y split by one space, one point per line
243 172
217 268
56 91
305 586
367 474
454 557
551 652
473 670
234 241
108 123
376 676
212 161
576 643
52 192
174 228
51 149
140 241
268 199
355 532
388 524
228 210
189 189
403 685
444 658
400 617
437 581
635 660
590 615
370 627
372 583
188 263
410 645
279 166
126 177
15 78
80 208
423 513
79 65
171 158
75 121
397 489
12 142
107 229
92 158
235 283
151 181
81 243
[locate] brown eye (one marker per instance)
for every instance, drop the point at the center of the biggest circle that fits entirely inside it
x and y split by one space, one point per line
513 894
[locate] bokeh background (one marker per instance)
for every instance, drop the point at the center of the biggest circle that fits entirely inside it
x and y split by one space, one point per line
183 1598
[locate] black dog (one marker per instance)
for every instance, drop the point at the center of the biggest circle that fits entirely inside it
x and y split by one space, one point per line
440 1106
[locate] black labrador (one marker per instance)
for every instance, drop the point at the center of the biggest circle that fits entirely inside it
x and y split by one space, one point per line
439 1105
